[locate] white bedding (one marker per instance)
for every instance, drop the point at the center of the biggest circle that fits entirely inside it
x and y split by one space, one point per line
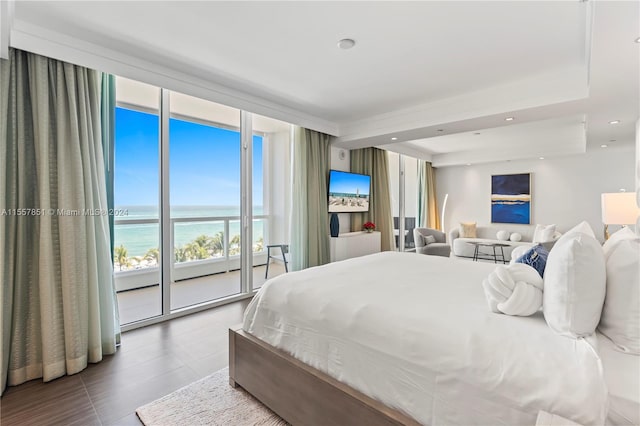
415 333
622 375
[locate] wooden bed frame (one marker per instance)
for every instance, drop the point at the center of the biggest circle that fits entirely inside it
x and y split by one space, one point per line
301 394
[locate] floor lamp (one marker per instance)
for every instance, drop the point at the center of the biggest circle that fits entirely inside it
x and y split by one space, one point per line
618 208
444 208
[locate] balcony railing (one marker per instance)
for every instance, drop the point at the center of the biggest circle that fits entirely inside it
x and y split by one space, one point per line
222 255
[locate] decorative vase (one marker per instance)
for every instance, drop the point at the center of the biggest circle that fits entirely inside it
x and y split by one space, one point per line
369 230
334 225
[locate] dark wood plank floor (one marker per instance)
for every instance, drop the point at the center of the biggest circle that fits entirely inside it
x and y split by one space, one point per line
151 362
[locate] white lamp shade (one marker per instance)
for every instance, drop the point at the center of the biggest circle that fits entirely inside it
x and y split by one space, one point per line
619 208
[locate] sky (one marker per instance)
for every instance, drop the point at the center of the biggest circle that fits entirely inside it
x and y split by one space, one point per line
347 183
204 162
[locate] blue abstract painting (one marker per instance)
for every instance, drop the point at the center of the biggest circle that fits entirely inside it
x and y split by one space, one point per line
511 198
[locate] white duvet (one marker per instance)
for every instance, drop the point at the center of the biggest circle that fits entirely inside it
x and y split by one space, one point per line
415 332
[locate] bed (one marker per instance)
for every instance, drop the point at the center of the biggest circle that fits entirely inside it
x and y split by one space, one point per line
409 339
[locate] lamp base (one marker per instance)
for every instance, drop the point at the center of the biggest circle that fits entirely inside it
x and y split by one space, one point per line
606 232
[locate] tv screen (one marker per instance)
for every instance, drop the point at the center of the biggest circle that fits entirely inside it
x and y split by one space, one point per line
348 192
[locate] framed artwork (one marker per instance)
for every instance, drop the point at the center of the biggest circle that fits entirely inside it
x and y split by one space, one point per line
511 198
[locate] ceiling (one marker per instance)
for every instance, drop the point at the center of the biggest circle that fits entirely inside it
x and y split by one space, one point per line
431 74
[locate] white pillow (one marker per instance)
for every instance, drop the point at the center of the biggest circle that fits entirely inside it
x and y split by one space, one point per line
583 227
574 283
503 235
621 235
621 313
515 237
543 234
518 252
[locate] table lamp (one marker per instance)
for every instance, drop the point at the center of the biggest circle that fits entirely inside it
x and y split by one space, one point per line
618 208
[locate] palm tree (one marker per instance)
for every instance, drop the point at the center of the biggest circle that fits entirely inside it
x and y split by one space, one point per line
180 254
259 245
121 256
153 255
234 245
195 251
217 244
203 241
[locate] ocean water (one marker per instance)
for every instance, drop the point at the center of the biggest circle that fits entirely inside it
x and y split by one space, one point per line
139 238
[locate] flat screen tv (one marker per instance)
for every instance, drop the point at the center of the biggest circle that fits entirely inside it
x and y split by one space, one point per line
348 192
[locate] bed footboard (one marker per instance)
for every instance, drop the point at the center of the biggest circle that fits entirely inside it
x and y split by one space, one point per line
298 393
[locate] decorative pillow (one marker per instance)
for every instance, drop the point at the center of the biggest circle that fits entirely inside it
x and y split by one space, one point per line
574 283
503 235
514 290
515 237
621 313
621 235
543 234
518 252
429 239
583 227
468 230
535 257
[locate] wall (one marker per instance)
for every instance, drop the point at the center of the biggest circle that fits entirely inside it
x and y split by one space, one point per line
565 190
278 186
344 165
638 173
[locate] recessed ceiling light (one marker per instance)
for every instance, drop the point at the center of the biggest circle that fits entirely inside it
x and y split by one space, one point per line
612 140
468 164
440 130
394 139
604 145
614 122
542 158
346 43
637 40
476 133
508 119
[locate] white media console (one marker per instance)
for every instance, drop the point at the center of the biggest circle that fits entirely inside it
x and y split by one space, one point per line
354 244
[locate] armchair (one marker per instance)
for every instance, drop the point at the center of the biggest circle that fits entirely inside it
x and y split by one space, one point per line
439 248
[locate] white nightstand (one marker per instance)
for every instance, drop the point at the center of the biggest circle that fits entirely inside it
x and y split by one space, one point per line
354 244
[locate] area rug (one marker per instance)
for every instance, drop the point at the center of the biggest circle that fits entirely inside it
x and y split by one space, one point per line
210 401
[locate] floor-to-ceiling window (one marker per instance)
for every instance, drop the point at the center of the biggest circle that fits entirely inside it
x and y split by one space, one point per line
136 196
180 167
204 182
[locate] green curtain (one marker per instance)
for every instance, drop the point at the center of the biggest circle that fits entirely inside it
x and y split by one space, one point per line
108 125
309 218
375 162
107 119
427 201
58 309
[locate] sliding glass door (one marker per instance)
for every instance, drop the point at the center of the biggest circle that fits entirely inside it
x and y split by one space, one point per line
204 182
403 174
206 188
136 198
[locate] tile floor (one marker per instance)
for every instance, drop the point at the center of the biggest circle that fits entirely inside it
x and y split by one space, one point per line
152 361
